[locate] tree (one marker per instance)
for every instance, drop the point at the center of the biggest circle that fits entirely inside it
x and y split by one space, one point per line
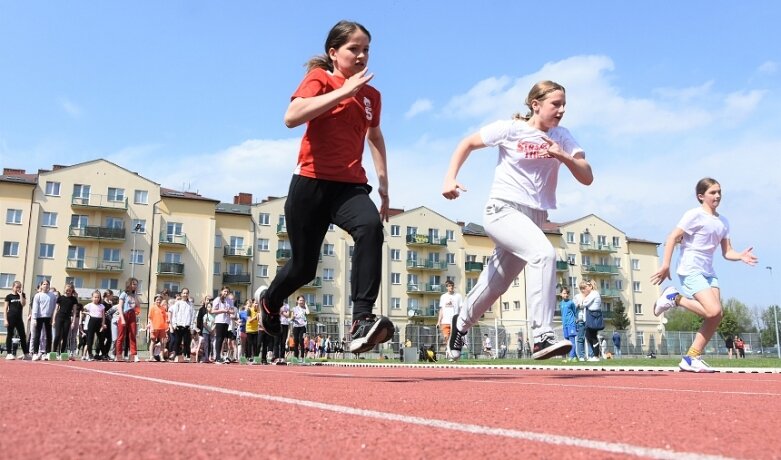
620 320
741 314
768 335
729 324
680 319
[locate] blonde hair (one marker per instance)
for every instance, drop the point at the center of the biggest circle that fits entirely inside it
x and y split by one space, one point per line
539 92
591 283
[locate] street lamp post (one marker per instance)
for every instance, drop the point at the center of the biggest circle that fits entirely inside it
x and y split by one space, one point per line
775 314
136 229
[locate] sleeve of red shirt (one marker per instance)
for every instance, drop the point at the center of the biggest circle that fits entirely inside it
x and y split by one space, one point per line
314 84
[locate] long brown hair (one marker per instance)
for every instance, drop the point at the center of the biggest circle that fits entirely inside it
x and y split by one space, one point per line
703 185
539 92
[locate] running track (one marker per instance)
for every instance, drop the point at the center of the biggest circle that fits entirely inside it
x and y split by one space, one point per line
156 410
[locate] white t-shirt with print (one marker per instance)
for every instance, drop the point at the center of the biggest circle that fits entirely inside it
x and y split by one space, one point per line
450 305
521 176
702 234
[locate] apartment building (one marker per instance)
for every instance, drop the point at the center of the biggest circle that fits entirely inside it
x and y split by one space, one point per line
95 224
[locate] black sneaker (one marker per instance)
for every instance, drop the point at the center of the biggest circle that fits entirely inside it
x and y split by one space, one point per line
269 318
455 342
369 332
549 347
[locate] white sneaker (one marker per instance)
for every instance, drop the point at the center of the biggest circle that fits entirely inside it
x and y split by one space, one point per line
666 301
689 364
36 357
10 357
593 359
45 356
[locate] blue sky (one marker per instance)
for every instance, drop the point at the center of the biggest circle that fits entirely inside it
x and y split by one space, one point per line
191 95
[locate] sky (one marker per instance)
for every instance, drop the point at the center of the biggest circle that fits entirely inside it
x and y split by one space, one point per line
191 94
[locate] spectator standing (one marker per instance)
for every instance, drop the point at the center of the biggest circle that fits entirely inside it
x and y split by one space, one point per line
66 320
740 347
298 321
449 306
221 311
97 322
280 341
158 325
41 311
568 317
127 326
252 350
181 316
729 343
617 343
590 300
14 322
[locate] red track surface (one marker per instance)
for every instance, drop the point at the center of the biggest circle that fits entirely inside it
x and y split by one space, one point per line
155 410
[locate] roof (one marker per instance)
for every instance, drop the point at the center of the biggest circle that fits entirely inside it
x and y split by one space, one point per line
169 193
478 230
230 208
28 179
639 240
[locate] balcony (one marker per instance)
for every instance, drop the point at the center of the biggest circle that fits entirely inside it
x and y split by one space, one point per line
314 307
238 251
236 278
610 293
94 264
424 240
314 284
562 265
473 266
426 265
90 232
425 288
170 268
98 201
597 247
281 229
173 241
284 254
425 312
600 269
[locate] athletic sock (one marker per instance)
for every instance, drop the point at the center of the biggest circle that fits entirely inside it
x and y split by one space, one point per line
693 352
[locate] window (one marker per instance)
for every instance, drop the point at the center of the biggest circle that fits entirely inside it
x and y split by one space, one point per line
412 282
619 285
81 193
413 303
10 249
49 219
433 257
451 258
601 241
311 300
76 281
116 194
570 237
109 283
617 262
111 254
616 241
7 280
261 271
470 283
636 286
137 256
52 188
13 216
141 197
263 245
115 222
516 305
41 278
395 278
217 268
395 230
350 251
635 264
237 242
328 274
516 282
395 254
331 227
282 223
585 238
173 229
328 249
328 300
571 259
263 218
638 309
77 253
412 230
172 258
639 339
585 260
46 251
141 224
505 306
235 268
172 287
450 235
412 255
433 235
572 282
395 303
218 240
79 221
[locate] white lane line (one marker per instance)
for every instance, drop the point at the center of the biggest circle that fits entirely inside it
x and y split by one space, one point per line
612 447
627 388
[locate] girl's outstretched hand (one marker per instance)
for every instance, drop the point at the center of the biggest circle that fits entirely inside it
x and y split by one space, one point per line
452 189
661 275
748 257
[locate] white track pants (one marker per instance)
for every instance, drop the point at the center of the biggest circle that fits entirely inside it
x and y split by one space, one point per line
520 242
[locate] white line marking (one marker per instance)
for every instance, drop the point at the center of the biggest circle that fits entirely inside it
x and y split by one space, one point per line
612 447
615 387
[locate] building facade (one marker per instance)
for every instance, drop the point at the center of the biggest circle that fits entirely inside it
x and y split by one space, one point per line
96 224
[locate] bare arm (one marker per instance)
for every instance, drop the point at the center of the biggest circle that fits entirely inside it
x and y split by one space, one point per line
451 187
747 256
377 146
664 271
303 109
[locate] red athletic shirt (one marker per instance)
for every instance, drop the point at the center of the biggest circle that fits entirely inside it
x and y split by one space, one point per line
332 146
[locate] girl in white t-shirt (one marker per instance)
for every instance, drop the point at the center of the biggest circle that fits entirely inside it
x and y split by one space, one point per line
531 151
700 231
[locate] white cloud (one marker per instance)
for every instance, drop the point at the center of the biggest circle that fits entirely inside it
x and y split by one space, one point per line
70 107
686 94
768 68
418 107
